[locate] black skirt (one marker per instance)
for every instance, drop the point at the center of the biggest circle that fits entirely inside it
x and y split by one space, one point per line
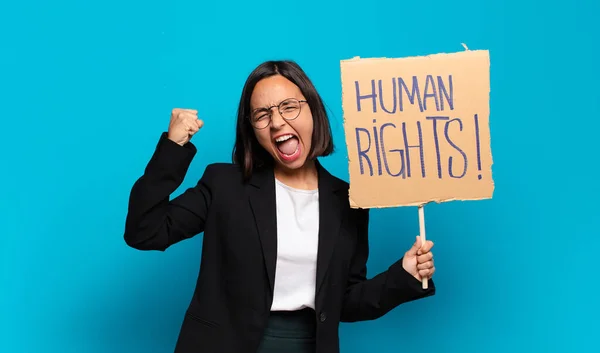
289 332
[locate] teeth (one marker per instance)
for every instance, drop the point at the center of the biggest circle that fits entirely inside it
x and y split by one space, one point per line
284 138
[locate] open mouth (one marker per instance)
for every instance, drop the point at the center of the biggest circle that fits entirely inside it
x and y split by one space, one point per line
288 146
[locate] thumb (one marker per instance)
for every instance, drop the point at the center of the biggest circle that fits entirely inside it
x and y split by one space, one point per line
416 246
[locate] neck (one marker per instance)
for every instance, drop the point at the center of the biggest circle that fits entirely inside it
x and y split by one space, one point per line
302 178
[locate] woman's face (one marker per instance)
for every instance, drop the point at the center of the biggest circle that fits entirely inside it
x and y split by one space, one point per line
287 134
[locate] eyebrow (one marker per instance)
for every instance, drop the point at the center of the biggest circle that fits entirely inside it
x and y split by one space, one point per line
257 110
267 108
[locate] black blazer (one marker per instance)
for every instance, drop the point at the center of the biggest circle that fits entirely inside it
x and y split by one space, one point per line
234 289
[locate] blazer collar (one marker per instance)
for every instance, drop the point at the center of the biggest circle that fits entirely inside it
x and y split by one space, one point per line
331 206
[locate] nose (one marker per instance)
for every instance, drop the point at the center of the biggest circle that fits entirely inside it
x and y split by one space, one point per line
277 121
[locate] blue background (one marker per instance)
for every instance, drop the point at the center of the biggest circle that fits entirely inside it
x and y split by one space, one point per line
87 87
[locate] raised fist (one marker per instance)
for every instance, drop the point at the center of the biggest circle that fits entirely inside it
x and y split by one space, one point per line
184 124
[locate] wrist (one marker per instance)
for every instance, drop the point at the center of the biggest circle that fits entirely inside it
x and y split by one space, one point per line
177 141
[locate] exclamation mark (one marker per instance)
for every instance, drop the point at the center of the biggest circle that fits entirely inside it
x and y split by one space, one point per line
478 146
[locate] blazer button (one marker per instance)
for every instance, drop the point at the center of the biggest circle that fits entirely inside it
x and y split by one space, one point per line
323 317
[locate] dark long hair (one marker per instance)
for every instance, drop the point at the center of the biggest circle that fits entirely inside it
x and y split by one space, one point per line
247 152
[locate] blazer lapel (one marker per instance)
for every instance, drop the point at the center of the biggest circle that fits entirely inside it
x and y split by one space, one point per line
262 201
330 218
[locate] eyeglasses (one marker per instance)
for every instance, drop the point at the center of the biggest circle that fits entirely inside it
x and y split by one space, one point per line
289 109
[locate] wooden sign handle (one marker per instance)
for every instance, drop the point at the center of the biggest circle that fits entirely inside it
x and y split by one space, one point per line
422 235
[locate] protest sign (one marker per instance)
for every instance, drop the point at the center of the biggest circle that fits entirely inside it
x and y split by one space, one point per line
417 129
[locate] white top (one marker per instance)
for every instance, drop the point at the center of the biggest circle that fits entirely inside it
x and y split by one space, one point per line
297 245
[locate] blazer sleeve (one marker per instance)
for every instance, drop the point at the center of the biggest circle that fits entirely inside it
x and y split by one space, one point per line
154 222
368 299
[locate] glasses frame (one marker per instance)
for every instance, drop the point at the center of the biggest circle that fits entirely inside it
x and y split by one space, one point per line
269 109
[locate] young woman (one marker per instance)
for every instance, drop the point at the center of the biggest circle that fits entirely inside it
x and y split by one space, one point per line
284 256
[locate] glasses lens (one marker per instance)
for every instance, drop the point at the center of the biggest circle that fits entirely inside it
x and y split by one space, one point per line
260 120
289 109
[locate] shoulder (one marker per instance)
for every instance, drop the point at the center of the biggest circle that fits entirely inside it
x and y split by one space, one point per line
342 188
223 181
223 172
339 183
223 168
